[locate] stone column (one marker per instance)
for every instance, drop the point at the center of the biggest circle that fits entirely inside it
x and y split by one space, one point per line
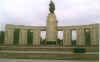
23 37
80 37
67 38
9 34
36 37
94 35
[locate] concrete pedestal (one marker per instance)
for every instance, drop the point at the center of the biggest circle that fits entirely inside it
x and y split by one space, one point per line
51 35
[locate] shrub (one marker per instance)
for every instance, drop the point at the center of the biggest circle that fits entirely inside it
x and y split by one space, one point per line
79 50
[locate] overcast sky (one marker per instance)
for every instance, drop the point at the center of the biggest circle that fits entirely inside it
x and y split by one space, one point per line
35 12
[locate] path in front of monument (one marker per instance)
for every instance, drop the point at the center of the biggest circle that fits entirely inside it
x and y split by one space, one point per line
29 60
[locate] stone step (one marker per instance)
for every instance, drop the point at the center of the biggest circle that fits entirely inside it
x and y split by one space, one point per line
49 55
25 48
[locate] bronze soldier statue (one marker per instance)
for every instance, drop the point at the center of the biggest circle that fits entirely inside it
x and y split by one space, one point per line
51 7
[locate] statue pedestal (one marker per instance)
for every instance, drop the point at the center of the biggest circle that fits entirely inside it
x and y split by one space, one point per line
51 29
51 42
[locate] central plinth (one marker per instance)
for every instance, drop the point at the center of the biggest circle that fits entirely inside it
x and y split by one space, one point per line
51 29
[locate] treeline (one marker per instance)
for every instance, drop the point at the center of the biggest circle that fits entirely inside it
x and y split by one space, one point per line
17 35
2 37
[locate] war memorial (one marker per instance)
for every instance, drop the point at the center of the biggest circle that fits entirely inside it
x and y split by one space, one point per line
25 41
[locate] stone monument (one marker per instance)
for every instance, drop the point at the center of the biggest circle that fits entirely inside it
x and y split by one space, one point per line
51 29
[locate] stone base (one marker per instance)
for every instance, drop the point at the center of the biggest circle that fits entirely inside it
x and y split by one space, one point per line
49 56
53 53
51 42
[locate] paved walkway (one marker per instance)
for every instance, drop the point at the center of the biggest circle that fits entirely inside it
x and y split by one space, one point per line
29 60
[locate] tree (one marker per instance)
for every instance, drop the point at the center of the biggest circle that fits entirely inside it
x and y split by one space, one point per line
2 36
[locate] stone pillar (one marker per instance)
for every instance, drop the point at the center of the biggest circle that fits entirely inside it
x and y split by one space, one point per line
67 38
23 37
94 35
36 37
9 34
80 37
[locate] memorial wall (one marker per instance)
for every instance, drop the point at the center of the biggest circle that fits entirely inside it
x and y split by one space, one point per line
24 35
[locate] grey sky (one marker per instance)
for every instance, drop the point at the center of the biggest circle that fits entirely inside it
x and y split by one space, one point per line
35 12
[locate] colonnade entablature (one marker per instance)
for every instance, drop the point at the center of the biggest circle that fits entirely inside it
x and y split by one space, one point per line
67 34
90 26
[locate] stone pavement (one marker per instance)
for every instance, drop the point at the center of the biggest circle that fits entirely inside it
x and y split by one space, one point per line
28 60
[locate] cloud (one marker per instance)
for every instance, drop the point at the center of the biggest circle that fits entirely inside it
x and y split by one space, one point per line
35 12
